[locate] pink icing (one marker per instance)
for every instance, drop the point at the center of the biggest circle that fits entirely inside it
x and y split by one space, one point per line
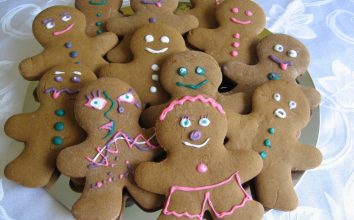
234 53
57 33
237 35
184 99
236 21
236 44
248 13
235 10
202 168
207 199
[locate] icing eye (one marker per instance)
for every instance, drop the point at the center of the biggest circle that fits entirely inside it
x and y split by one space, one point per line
292 104
66 18
165 39
182 71
185 122
200 71
127 97
97 103
292 53
58 79
76 79
277 97
204 121
248 13
149 38
50 25
278 48
235 10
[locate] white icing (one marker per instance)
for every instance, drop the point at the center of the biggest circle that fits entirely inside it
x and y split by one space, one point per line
277 97
155 77
280 113
165 39
156 51
292 53
153 89
155 67
149 38
292 104
204 122
196 145
278 48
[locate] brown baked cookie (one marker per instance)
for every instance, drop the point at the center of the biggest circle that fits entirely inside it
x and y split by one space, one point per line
97 12
199 173
240 23
280 57
279 111
146 11
49 129
204 10
61 31
151 44
108 110
193 73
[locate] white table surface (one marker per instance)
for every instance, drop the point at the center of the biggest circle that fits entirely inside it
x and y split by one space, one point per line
326 27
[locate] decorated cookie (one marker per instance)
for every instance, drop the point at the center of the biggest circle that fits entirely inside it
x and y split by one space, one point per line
193 73
108 110
61 31
240 23
146 11
151 44
280 57
279 111
97 12
204 10
49 129
199 173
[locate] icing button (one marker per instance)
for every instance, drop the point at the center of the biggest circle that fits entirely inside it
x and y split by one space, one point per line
236 44
98 23
68 44
77 62
273 76
57 140
234 53
60 112
59 126
99 14
236 36
155 77
155 67
153 89
74 54
263 154
271 130
267 143
99 31
152 20
202 168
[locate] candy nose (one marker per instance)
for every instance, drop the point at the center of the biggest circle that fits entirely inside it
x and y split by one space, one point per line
195 135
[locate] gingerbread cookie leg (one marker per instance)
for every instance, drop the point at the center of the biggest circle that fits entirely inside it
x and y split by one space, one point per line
121 53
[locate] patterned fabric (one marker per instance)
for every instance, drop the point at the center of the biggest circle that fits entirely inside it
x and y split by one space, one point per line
326 27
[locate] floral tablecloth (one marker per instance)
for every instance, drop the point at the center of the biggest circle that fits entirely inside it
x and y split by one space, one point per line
326 27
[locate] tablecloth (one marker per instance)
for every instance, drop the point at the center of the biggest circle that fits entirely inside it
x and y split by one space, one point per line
326 27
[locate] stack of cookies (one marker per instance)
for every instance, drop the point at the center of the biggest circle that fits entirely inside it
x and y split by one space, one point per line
179 115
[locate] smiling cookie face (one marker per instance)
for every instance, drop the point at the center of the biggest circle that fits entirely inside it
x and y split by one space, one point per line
198 123
63 82
168 5
246 14
285 53
190 73
57 24
156 40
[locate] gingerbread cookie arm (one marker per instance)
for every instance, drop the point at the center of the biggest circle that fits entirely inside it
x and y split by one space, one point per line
199 37
146 200
123 25
237 102
189 22
243 74
305 157
150 115
313 96
248 162
121 53
105 42
16 123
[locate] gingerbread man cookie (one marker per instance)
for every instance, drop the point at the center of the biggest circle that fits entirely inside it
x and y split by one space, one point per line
108 110
97 12
146 11
279 111
151 44
61 31
193 73
280 57
49 129
240 23
199 173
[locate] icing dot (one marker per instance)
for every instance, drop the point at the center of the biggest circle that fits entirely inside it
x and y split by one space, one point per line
98 23
153 89
236 44
234 53
99 31
155 67
99 184
182 71
200 70
152 20
202 168
58 79
68 44
57 140
77 62
248 13
59 126
273 76
235 10
263 154
121 176
267 143
155 77
236 36
60 112
99 14
74 54
271 130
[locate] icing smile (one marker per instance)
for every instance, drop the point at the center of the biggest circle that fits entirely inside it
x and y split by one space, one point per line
157 3
236 21
55 93
193 86
103 2
156 51
196 145
283 65
57 33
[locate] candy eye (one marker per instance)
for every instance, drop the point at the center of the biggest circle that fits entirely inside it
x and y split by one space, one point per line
58 79
149 38
182 71
127 97
204 121
96 103
76 79
278 48
185 122
248 13
66 18
165 39
292 53
200 71
235 10
50 25
277 97
292 104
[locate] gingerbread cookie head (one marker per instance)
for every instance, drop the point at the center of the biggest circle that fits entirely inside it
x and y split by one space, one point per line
169 5
245 14
62 83
190 73
283 53
197 122
156 40
283 102
107 105
58 24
